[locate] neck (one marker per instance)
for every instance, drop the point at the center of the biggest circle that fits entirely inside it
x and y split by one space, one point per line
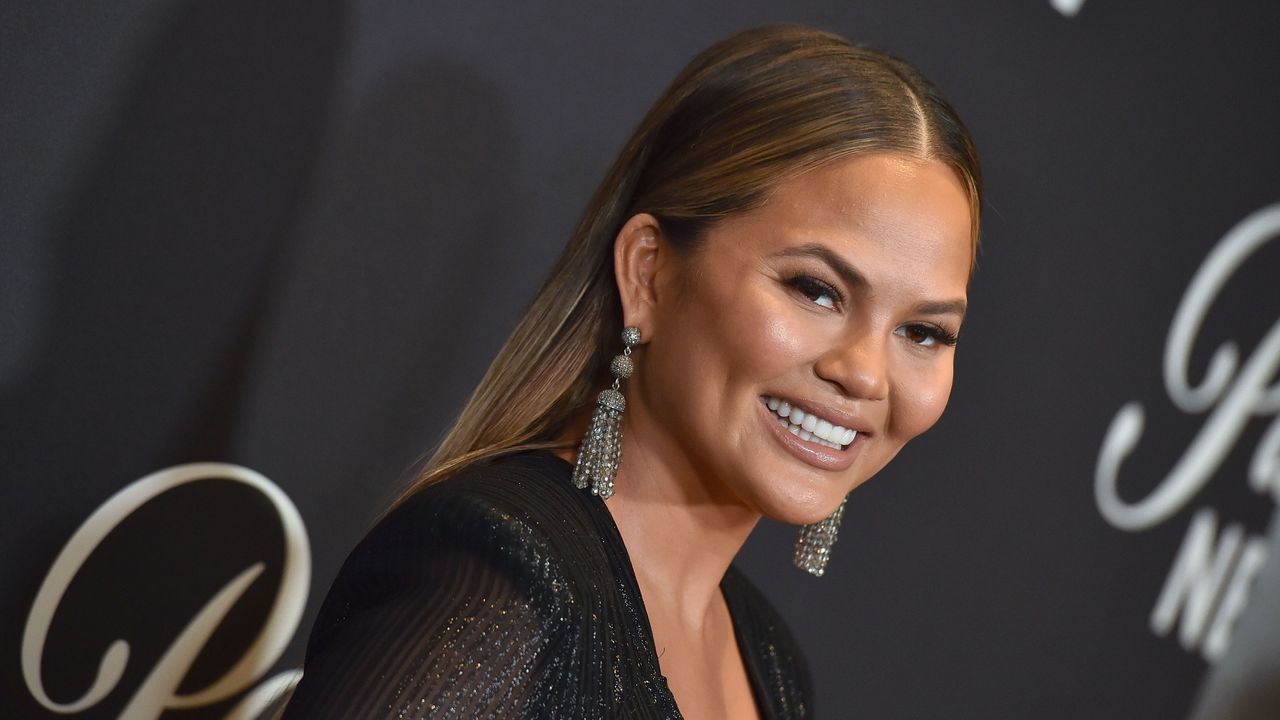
681 531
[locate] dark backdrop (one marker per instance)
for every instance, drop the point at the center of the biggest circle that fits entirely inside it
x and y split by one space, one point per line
289 237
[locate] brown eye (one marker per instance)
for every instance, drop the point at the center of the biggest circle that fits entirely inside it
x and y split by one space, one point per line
817 291
917 335
926 335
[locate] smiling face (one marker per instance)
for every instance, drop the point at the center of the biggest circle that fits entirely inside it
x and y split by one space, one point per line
835 303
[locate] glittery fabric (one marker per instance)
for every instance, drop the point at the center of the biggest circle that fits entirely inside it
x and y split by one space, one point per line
505 592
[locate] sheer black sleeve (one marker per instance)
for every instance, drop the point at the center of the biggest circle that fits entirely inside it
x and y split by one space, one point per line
450 608
506 592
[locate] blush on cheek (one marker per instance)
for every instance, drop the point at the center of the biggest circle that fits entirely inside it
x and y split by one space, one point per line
780 334
759 336
916 409
790 337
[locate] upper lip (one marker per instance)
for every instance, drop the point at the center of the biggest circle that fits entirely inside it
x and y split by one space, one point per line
830 413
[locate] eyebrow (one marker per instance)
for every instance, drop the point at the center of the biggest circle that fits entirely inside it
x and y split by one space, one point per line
854 278
945 307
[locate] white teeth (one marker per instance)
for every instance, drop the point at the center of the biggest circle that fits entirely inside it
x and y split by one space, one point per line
808 426
823 430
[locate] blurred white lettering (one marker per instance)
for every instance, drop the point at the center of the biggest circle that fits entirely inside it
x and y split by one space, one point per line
1068 8
1208 585
159 690
1238 396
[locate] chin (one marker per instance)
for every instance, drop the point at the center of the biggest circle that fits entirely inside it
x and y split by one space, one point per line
802 503
807 515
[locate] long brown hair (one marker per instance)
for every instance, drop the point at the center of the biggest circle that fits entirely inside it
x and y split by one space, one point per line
749 112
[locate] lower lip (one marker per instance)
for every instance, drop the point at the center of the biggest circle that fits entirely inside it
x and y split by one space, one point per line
812 453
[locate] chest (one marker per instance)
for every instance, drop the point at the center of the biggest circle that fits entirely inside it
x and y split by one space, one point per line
705 668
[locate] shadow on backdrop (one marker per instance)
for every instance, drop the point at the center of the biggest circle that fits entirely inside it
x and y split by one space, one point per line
388 317
161 267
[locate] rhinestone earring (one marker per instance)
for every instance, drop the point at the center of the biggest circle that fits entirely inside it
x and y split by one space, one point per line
813 546
601 448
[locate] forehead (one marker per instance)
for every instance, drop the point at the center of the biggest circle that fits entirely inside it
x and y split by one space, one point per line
898 217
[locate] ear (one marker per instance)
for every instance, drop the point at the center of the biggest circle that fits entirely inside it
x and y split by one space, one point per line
639 254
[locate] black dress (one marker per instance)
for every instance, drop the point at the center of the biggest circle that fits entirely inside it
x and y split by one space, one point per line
505 592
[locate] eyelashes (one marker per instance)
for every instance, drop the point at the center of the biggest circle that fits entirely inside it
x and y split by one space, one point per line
815 289
828 296
931 334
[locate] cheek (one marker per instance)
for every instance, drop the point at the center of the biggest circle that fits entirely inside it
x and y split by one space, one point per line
919 398
765 335
733 335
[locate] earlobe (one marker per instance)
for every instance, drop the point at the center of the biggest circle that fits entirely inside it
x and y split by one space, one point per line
637 257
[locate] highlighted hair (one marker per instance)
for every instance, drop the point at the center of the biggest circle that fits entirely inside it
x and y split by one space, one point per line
749 112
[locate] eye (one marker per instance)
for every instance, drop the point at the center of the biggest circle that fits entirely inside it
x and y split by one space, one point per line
818 292
927 335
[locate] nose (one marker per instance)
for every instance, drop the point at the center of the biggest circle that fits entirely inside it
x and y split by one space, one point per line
858 363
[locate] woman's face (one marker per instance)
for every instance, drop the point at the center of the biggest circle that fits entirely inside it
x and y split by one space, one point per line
837 304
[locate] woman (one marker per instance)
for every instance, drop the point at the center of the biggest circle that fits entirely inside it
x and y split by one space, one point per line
787 239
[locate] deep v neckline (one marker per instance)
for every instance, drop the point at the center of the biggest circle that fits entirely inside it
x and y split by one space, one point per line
752 662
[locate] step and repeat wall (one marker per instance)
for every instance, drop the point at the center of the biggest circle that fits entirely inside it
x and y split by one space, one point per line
253 257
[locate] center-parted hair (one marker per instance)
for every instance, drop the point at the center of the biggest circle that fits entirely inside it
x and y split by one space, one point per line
746 114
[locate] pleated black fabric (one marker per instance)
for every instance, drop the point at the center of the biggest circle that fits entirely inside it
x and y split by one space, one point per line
505 592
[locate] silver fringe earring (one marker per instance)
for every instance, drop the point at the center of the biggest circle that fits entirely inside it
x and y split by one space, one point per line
813 547
601 448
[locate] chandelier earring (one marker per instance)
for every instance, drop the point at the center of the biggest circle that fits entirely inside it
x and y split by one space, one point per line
601 448
813 546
